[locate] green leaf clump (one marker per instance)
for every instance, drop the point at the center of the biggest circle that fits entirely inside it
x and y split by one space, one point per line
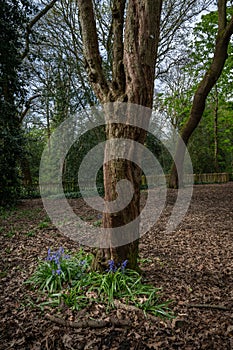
70 280
58 269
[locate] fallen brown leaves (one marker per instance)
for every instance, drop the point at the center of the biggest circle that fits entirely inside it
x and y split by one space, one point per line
193 265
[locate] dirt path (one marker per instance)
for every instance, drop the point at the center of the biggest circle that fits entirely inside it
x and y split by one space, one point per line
193 265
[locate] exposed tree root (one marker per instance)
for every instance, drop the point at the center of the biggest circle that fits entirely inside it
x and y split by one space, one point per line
88 323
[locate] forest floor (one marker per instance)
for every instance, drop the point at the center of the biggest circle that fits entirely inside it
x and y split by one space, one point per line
193 265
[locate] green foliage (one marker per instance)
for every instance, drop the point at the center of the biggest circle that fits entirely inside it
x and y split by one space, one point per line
225 137
79 150
160 151
210 146
58 268
12 24
202 51
29 192
35 140
11 233
201 146
97 223
11 147
5 213
218 106
121 283
71 280
30 234
45 223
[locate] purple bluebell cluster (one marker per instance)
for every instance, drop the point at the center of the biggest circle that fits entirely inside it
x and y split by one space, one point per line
123 265
56 257
113 267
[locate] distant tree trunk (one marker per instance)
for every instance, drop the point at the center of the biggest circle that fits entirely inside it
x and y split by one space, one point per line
26 172
216 148
133 72
48 120
225 30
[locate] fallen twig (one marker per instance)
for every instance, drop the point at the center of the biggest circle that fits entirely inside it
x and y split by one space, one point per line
208 306
88 323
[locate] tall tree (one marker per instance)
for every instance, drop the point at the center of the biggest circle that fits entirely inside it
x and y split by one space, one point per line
11 18
135 36
14 16
225 31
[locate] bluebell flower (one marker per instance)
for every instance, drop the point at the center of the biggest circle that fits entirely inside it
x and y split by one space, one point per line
123 265
111 265
55 259
61 251
49 256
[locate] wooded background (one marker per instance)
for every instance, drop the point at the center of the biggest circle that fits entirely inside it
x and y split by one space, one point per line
44 81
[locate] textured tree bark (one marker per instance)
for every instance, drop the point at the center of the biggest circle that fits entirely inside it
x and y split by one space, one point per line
140 51
225 30
133 70
91 50
114 171
216 146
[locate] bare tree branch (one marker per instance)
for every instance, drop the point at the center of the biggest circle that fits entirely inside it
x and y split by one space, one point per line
177 16
27 106
31 25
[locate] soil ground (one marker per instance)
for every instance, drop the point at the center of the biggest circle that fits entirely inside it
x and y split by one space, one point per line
193 266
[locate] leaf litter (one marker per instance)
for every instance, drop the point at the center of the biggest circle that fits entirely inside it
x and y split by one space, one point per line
193 266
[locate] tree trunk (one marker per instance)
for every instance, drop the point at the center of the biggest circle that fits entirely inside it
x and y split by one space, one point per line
114 171
26 171
210 78
216 165
133 72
